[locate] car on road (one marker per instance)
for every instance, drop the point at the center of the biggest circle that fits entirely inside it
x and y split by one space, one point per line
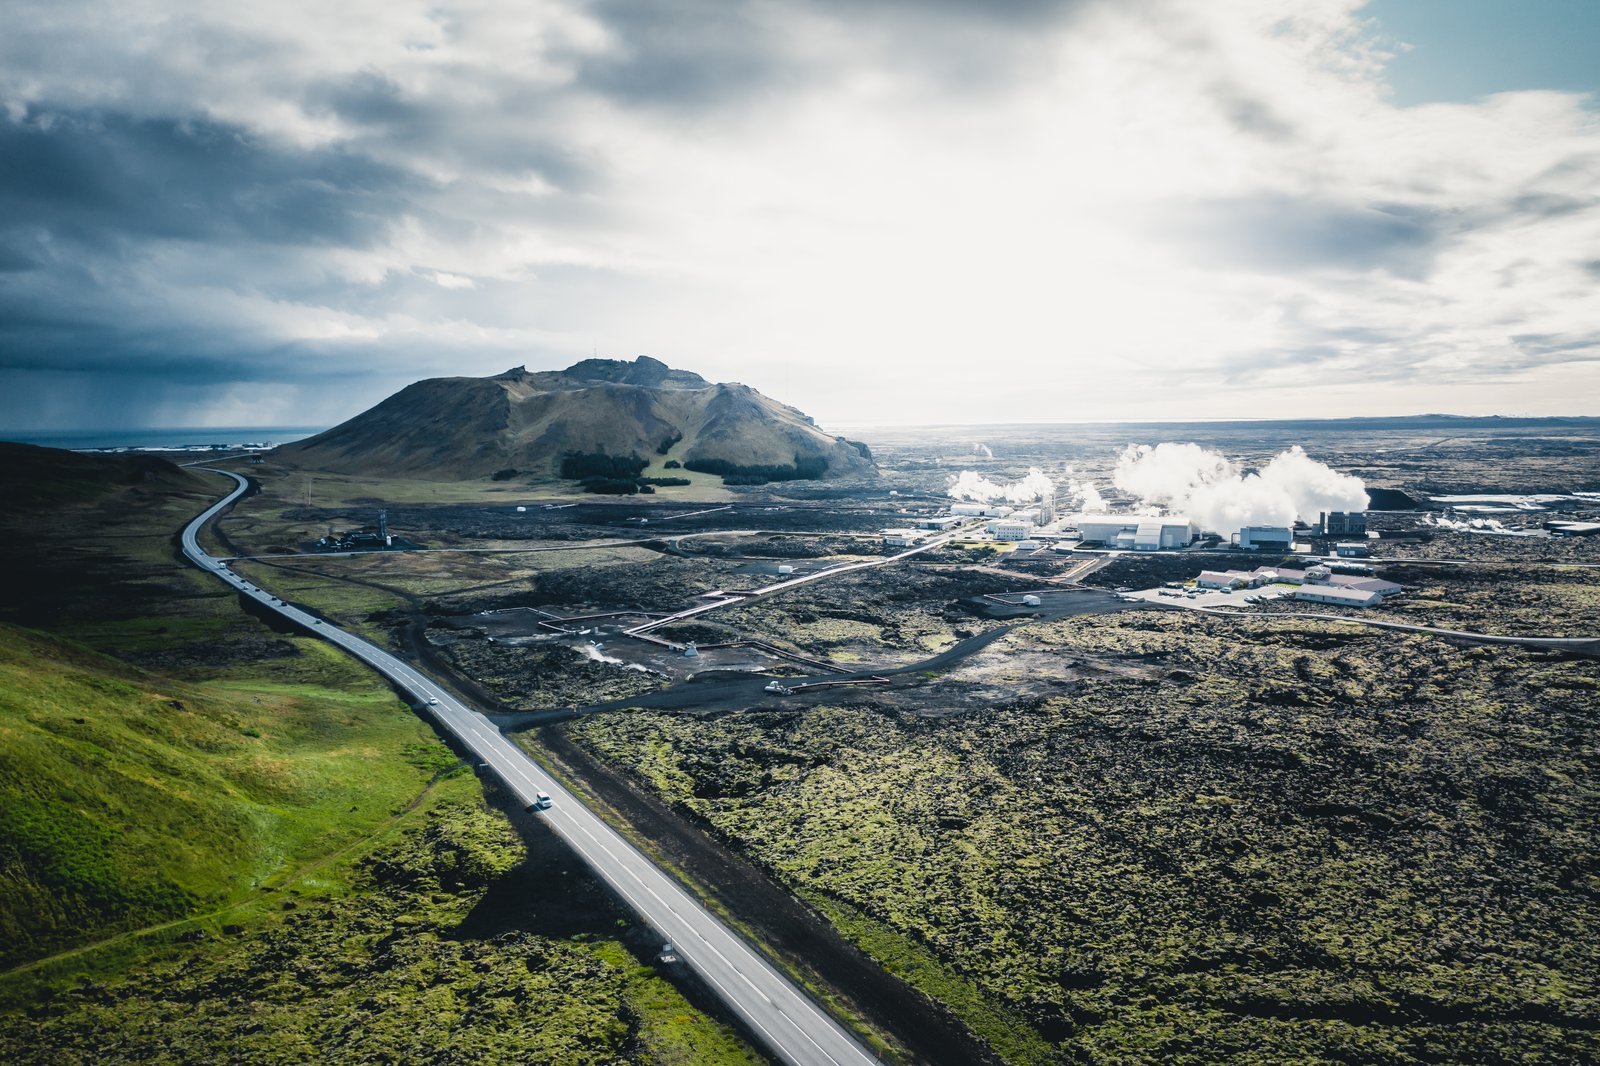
432 702
541 801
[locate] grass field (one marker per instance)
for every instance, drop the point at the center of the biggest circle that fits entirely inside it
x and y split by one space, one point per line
131 799
387 963
221 841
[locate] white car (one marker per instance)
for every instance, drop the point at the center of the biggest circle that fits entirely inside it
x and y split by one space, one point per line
432 702
542 800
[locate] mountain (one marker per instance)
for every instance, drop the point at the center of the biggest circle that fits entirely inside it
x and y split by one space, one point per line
451 428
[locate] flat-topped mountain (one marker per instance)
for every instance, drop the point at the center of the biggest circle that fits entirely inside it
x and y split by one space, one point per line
448 428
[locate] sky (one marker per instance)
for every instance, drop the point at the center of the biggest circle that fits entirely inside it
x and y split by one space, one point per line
881 211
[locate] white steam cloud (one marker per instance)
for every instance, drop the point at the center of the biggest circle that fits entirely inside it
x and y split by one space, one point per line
1491 526
1085 496
1209 488
973 486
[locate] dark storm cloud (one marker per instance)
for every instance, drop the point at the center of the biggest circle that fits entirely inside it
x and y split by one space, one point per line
97 178
1287 234
507 137
706 53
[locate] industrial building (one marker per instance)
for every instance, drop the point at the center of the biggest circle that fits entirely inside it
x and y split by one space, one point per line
1375 585
1009 529
1342 523
360 539
901 538
980 510
1352 550
1135 532
1266 538
939 522
1337 594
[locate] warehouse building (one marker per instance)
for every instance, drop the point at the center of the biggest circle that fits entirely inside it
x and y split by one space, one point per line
1224 579
1337 594
1376 585
1138 532
1266 538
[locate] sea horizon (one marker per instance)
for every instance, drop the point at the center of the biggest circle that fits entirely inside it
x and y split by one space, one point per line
177 438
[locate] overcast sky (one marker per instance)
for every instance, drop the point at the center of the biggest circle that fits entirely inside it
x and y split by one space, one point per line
220 213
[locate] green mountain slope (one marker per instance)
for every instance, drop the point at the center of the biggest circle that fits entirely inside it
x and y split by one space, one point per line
126 799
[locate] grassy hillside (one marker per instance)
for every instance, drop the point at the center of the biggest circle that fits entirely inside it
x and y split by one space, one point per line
386 971
224 841
126 799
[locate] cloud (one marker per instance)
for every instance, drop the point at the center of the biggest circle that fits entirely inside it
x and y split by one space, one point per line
1138 209
1278 233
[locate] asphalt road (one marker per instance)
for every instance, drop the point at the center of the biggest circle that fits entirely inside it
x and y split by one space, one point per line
774 1008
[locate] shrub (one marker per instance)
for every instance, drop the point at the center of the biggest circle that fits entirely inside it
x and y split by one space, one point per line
761 473
610 486
673 464
583 465
666 446
504 475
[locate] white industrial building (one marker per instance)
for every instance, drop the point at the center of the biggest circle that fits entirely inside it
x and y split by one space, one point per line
940 522
980 510
1223 579
1138 532
1266 538
901 538
1377 585
1009 529
1337 594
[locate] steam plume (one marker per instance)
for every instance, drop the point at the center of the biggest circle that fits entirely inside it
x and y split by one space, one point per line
973 486
1209 488
1085 496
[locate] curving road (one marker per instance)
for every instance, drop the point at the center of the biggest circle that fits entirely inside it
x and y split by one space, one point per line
776 1011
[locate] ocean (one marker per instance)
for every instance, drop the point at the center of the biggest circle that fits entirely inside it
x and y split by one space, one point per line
171 439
